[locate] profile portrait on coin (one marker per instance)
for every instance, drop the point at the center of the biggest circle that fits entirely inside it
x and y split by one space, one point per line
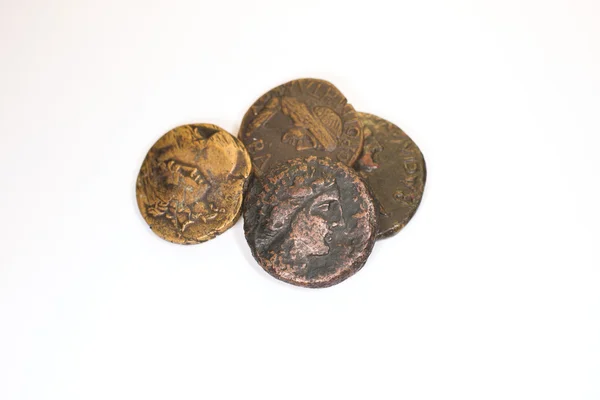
191 182
310 222
304 220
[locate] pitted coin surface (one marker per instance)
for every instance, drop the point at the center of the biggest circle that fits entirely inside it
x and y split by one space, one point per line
304 117
310 222
191 182
393 166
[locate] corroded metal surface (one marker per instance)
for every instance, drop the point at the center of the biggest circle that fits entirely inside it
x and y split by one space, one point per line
301 118
310 222
190 186
394 168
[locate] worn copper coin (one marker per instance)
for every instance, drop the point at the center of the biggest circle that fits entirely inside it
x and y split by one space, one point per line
394 168
301 118
190 186
310 222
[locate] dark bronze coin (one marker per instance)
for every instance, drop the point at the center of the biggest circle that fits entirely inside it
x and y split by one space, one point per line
394 168
304 117
310 222
191 183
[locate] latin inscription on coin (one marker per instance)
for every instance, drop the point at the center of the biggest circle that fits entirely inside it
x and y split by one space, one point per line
301 118
394 168
190 186
310 222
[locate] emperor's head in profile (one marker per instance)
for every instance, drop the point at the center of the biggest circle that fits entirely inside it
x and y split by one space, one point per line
185 172
301 224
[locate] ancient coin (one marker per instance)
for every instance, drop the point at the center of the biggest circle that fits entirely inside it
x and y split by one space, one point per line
310 222
190 186
301 118
394 168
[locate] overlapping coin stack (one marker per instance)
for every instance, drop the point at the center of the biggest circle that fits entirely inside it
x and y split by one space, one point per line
316 181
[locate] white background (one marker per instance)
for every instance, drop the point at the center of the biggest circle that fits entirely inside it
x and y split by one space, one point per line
491 292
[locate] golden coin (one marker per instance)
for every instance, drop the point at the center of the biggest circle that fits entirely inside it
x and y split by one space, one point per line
190 186
393 166
304 117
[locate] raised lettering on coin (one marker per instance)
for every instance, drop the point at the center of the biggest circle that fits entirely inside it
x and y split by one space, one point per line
298 119
394 168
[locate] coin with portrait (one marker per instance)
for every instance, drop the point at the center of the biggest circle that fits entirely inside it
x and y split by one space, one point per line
190 186
394 167
304 117
310 222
